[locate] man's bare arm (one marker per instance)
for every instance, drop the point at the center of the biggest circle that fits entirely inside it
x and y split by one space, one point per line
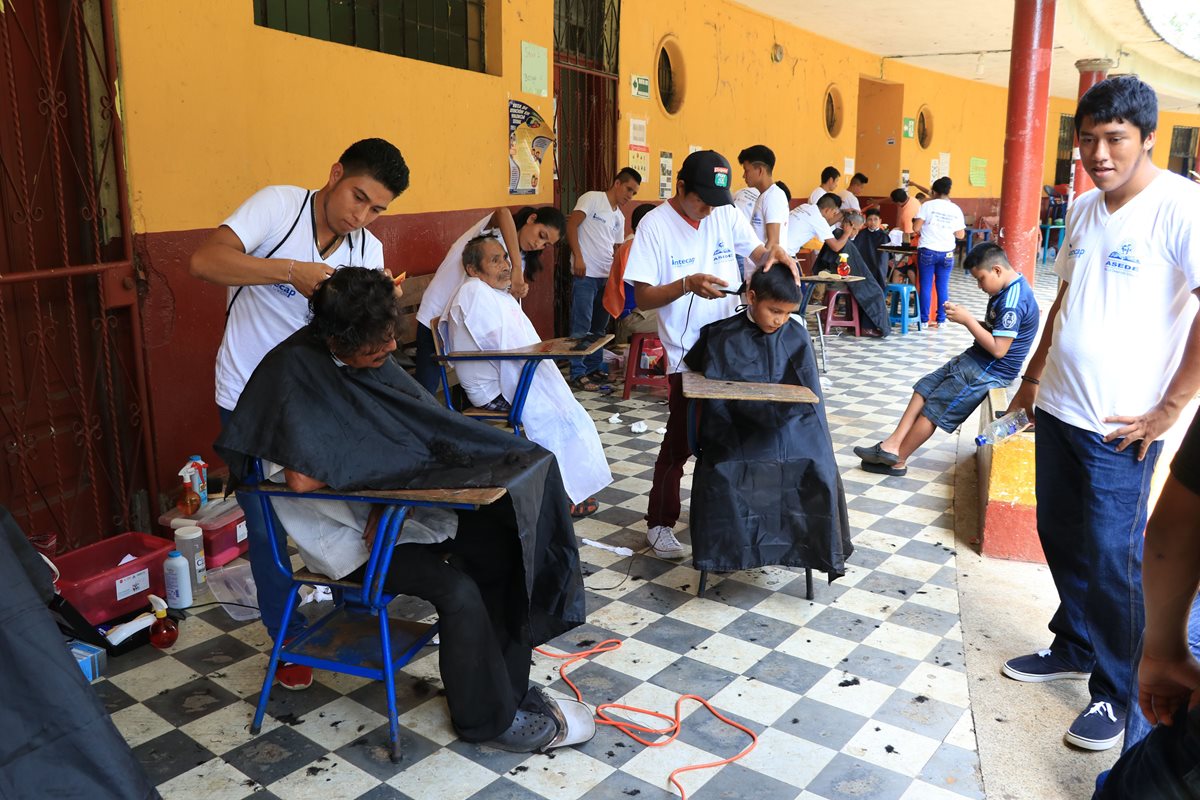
222 259
1026 396
574 220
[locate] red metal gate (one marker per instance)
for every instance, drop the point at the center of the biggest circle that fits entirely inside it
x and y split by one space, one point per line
73 412
585 91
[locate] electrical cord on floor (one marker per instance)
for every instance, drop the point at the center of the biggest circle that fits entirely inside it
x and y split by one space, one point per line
628 572
632 729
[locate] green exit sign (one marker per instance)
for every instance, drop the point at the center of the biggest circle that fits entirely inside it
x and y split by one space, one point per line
910 127
641 86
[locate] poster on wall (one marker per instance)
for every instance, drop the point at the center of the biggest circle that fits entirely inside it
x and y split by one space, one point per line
944 164
637 132
847 169
694 148
534 68
666 174
528 140
904 177
978 171
935 170
639 159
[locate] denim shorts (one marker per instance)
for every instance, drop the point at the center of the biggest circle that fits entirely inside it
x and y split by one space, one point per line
954 390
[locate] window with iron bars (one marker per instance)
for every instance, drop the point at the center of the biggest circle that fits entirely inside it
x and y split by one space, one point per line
447 32
1064 161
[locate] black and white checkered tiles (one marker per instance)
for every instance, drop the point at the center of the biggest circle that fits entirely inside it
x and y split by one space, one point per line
860 693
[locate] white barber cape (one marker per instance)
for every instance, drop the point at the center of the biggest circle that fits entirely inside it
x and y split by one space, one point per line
479 317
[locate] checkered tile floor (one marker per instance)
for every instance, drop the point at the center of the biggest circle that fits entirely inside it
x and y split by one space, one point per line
860 693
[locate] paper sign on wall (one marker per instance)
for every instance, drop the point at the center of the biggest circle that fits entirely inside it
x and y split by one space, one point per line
909 129
640 86
666 174
534 68
935 170
694 148
904 174
529 137
639 159
978 172
848 169
944 164
637 132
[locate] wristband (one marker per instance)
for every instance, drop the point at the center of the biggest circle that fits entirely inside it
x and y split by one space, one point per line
683 286
1028 379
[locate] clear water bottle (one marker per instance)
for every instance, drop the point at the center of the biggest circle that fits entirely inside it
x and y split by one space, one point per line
999 430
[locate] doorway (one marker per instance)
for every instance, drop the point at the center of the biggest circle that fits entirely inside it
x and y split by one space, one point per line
880 117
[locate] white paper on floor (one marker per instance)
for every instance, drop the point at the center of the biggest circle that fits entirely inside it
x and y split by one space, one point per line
638 427
615 419
660 430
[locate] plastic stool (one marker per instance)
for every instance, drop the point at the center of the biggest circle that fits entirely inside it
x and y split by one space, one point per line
634 374
849 320
904 305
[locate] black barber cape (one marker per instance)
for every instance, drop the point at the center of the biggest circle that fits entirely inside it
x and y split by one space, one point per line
868 294
868 243
379 429
56 738
766 488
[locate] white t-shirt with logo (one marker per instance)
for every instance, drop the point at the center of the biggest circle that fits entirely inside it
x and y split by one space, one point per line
263 316
805 223
770 207
744 200
941 219
451 274
667 248
602 228
1124 319
849 200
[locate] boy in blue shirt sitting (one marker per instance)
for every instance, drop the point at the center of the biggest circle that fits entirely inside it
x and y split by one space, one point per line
948 395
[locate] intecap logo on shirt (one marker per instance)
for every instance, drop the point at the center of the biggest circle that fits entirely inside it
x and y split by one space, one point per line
1122 261
682 262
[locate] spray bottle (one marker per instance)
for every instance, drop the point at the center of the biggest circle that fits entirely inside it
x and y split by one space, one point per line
843 267
189 499
164 631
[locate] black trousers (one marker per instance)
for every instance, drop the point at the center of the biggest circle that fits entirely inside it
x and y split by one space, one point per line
477 584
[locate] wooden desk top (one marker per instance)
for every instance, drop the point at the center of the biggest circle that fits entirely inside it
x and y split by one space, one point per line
832 278
699 387
461 497
551 348
898 249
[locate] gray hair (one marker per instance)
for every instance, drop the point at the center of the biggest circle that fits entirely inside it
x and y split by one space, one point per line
473 252
853 218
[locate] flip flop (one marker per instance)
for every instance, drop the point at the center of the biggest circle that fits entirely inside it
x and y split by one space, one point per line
584 383
585 509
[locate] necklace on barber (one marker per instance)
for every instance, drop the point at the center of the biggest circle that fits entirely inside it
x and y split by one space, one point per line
337 239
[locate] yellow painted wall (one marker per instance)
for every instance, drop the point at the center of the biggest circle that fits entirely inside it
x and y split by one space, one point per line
215 106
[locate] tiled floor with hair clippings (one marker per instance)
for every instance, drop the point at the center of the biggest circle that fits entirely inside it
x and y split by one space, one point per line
860 693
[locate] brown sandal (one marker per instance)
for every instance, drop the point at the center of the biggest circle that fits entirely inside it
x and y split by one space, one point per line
585 509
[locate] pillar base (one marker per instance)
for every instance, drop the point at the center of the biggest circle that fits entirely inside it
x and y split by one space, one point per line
1007 500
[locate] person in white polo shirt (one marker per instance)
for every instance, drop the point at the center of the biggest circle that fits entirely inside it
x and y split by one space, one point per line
1118 361
595 229
850 195
829 181
769 214
941 224
684 263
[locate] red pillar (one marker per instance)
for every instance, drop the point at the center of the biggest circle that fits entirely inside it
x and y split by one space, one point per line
1091 72
1025 133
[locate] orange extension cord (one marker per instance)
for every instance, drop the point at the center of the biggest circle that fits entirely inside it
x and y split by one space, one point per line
632 729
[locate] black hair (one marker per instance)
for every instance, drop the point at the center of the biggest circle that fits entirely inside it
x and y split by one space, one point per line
758 154
829 200
353 308
380 160
639 212
899 196
830 174
942 186
1121 98
860 178
473 251
629 174
872 212
783 187
546 215
776 283
984 256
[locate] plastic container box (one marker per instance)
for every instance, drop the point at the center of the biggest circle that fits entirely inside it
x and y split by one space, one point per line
101 588
235 584
224 527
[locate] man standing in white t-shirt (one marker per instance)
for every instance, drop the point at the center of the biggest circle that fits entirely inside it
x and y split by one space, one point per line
684 263
850 195
769 214
1118 361
829 181
595 229
941 224
271 253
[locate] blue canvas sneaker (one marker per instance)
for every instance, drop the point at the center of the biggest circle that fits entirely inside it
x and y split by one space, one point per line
1097 728
1040 667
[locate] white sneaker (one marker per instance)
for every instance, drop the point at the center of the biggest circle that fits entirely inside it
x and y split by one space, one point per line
665 545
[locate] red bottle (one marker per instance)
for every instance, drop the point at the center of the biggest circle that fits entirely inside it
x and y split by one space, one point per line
164 631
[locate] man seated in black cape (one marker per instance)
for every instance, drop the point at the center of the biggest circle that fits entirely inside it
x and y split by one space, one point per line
868 294
333 409
766 489
868 241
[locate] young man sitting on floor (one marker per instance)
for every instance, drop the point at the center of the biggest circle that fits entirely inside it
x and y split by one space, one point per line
766 489
948 395
482 315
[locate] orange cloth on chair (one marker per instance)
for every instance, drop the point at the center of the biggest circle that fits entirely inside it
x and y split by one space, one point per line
614 290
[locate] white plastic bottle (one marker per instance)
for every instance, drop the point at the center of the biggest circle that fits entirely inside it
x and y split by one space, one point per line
189 540
178 579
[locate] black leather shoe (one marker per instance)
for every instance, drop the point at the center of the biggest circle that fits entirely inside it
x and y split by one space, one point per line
529 732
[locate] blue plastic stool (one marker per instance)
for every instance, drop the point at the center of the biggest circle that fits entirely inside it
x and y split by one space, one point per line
904 305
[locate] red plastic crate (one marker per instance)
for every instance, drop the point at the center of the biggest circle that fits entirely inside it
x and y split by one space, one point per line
224 532
101 588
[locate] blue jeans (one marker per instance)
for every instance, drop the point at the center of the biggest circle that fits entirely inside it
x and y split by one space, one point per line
588 316
933 265
1136 724
271 585
1165 765
1091 514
